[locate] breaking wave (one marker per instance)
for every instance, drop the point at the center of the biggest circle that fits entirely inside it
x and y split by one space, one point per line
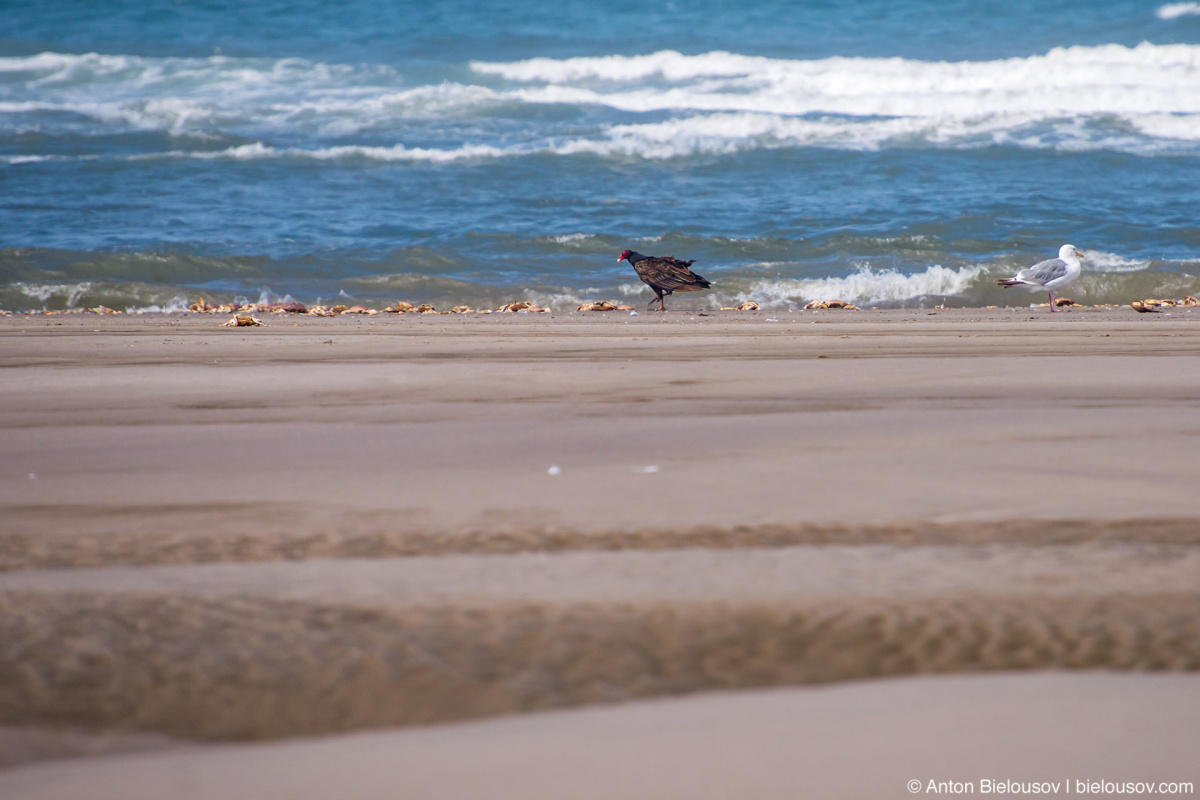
1143 100
867 286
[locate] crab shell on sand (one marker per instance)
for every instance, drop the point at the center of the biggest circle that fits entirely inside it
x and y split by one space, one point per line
243 321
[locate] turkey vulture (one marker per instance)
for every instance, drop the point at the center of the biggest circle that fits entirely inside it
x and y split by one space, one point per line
664 275
1051 274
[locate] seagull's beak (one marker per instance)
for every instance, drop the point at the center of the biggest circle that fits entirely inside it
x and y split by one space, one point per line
1079 253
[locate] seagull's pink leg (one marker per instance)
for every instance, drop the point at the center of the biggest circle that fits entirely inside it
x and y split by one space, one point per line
1052 308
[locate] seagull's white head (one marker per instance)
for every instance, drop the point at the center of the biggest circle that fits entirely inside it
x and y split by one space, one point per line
1069 251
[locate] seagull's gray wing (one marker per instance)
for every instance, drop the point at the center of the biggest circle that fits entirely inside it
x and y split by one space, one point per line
1043 272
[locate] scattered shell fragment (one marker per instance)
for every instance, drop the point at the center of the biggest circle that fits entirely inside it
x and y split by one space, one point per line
462 310
599 305
425 308
322 311
359 310
401 307
1142 307
102 310
749 305
1061 302
243 321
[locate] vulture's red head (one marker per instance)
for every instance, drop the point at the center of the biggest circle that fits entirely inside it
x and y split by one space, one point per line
624 255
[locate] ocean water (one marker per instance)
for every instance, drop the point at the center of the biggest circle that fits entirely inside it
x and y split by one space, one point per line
887 152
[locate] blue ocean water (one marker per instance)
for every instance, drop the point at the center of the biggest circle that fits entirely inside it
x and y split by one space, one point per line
888 153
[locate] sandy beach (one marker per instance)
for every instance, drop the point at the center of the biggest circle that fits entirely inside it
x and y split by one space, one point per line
541 551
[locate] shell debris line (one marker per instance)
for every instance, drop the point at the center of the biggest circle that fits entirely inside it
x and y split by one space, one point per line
1059 302
823 304
202 306
404 307
1152 305
603 305
522 307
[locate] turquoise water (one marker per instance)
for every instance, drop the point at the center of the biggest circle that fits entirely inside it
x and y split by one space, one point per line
894 153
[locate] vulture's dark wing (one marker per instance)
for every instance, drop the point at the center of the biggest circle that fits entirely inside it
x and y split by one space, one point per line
670 274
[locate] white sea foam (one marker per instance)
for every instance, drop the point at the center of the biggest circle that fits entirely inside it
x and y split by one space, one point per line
258 150
1176 10
574 238
175 305
1143 99
564 300
43 292
1071 80
28 159
1099 261
867 285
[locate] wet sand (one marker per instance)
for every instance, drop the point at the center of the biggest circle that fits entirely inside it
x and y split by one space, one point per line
334 524
852 740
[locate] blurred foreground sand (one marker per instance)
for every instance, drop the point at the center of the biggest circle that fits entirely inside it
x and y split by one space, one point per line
329 525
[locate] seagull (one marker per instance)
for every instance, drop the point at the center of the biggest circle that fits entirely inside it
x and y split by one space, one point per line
1051 274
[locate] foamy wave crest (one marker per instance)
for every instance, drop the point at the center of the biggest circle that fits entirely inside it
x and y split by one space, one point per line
570 239
176 304
258 150
1101 79
1176 10
866 286
1097 261
67 293
193 94
728 133
1107 96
